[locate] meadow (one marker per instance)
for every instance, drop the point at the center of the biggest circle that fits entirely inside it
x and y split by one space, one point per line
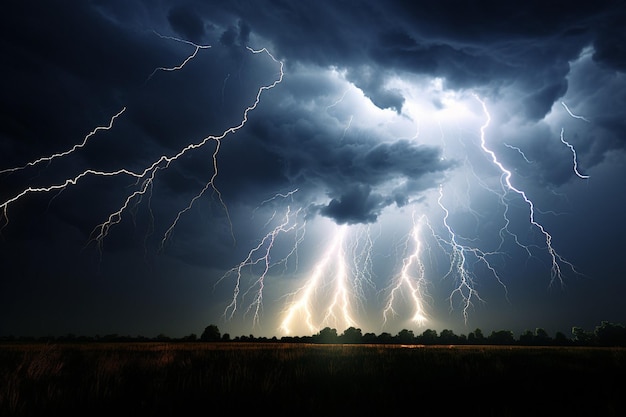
157 379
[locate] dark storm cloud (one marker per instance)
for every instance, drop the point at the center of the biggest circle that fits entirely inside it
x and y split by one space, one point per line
360 174
470 45
185 21
239 35
373 83
357 204
529 47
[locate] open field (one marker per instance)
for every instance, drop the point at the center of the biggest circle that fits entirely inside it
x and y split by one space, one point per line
304 379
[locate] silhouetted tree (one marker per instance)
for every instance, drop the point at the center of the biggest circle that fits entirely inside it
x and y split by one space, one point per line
351 335
560 339
369 338
190 338
406 336
526 338
610 334
326 335
541 337
210 334
226 337
582 337
162 338
428 337
384 337
447 337
501 337
476 337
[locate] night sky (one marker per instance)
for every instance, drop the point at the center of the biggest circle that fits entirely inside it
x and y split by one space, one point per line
277 167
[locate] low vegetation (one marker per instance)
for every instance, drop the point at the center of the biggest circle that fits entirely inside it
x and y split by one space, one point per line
324 374
152 378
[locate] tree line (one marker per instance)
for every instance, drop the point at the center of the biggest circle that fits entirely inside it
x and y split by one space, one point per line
605 334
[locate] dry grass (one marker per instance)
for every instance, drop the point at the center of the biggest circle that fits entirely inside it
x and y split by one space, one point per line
176 378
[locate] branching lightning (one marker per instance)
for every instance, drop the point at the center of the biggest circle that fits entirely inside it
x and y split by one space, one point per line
339 311
411 277
557 261
261 255
344 270
143 178
185 61
69 151
459 263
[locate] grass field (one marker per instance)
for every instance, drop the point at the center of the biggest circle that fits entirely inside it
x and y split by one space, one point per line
297 379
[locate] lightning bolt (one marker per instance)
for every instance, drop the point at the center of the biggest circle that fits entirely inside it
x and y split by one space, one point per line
260 256
518 151
363 263
338 312
180 66
411 276
574 115
556 273
571 147
339 100
345 130
101 231
145 178
69 151
460 263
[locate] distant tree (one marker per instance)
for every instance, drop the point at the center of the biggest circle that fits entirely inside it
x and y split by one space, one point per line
351 335
428 337
162 338
582 337
560 339
226 337
190 338
447 337
610 334
480 337
526 338
541 337
326 335
476 337
369 338
501 337
211 333
384 338
406 336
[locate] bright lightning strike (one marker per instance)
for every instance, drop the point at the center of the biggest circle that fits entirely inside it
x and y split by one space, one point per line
411 277
185 61
459 263
145 178
575 116
557 260
571 147
69 151
260 257
331 270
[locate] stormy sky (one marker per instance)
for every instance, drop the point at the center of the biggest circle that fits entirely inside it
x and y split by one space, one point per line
269 166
